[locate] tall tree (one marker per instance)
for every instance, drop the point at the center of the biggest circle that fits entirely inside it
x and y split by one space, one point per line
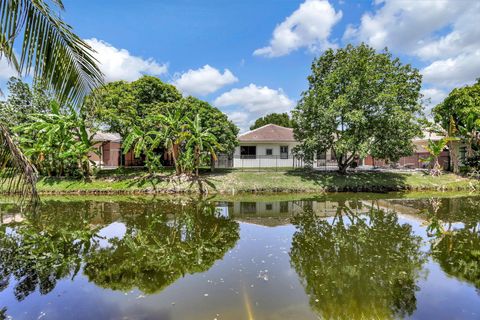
280 119
459 114
23 101
359 102
52 53
120 105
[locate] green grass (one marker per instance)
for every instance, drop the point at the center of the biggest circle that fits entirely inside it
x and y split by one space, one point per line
231 182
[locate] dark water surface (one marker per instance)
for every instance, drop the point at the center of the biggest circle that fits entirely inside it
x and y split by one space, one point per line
333 257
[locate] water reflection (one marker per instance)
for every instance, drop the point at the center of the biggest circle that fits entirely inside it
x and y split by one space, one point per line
157 249
360 264
338 257
43 248
455 237
164 240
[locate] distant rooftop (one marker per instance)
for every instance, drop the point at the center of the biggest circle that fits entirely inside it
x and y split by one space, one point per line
268 133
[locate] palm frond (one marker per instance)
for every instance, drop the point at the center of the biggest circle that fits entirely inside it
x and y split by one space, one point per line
51 52
18 175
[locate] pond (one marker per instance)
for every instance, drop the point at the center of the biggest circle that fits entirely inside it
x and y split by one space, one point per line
349 256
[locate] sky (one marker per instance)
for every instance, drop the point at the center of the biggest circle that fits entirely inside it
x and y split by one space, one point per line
252 57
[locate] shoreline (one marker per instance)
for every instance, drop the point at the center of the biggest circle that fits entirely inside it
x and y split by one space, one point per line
235 182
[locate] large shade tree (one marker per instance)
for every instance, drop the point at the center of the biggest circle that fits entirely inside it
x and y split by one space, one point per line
459 115
120 106
280 119
359 102
53 54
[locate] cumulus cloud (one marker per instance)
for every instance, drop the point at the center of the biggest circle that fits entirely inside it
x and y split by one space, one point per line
444 34
452 72
239 118
309 26
252 102
204 80
119 64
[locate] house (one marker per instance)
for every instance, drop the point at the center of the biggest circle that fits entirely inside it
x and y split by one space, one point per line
271 146
109 153
415 160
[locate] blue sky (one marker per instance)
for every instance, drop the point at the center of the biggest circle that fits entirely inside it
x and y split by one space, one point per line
250 57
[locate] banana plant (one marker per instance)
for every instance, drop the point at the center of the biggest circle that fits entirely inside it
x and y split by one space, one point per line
144 143
469 131
201 141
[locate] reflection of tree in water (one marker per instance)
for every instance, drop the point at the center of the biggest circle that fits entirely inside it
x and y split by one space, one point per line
457 250
46 247
157 248
357 266
163 241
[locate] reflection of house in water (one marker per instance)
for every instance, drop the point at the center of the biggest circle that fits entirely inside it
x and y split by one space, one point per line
274 213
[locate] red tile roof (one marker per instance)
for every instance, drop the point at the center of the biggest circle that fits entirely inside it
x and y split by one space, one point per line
268 133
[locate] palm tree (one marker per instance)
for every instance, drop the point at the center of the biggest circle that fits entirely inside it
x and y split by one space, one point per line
435 148
200 140
54 55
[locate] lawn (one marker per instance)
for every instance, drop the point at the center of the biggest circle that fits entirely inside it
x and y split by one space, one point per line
236 181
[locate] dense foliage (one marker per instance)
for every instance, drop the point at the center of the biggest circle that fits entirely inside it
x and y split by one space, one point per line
359 102
459 116
360 264
280 119
156 122
163 241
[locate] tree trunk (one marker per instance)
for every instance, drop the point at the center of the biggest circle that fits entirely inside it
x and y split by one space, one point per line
453 149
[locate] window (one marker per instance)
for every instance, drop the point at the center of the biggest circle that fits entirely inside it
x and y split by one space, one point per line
283 152
269 206
269 152
248 207
248 152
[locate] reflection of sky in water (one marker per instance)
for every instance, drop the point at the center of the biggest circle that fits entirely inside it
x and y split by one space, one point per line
255 278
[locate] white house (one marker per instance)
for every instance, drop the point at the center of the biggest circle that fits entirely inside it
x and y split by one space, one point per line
270 146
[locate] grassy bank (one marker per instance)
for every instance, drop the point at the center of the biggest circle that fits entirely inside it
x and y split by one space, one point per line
235 181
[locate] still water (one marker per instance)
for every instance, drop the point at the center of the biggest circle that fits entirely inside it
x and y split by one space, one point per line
331 257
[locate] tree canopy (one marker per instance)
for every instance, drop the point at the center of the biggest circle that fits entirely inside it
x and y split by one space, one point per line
280 119
120 105
359 102
459 115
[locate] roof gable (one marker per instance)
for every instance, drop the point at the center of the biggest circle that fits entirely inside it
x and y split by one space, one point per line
268 133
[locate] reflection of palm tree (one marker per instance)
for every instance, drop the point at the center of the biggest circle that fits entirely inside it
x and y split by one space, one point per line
456 250
458 254
156 250
358 265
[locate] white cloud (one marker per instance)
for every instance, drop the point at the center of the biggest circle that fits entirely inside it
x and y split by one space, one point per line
451 72
406 24
6 70
239 118
432 97
252 102
443 33
119 64
256 99
204 80
309 26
